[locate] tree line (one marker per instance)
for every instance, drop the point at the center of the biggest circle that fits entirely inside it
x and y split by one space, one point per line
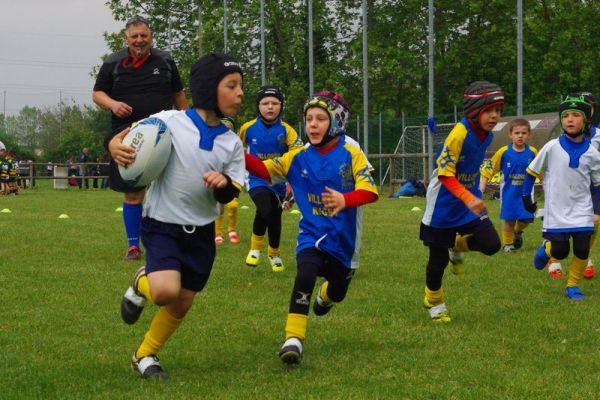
474 39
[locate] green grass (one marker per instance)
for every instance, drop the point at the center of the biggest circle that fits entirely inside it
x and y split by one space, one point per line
513 335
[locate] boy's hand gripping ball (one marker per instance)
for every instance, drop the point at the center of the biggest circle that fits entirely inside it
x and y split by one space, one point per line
151 140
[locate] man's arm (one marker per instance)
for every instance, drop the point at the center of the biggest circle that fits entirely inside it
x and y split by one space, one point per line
180 101
118 108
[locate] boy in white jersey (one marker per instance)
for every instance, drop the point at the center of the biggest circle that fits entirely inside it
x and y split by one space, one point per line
511 160
206 167
568 165
593 135
331 179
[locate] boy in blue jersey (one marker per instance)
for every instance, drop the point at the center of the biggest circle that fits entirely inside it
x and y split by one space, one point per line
455 217
331 179
266 137
568 165
511 160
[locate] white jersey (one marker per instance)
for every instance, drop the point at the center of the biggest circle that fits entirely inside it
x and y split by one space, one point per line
568 202
595 137
179 196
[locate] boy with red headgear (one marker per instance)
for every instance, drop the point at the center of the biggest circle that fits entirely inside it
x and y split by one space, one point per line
455 219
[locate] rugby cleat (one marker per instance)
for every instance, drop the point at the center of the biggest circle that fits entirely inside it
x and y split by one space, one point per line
233 237
589 270
148 367
518 241
457 259
276 264
438 312
219 239
253 258
133 302
573 293
291 351
133 253
509 248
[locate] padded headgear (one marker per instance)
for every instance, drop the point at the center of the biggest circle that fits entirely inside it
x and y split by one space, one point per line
205 75
480 95
575 103
338 111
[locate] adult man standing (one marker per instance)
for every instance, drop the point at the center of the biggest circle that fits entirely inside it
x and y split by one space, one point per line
134 83
83 170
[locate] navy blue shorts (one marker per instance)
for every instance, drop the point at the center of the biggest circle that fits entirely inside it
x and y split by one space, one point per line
596 202
445 237
187 249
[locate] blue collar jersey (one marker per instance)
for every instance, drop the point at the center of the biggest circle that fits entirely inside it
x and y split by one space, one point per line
512 164
344 169
267 142
461 156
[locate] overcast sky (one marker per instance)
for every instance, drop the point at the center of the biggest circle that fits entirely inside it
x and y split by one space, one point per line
48 48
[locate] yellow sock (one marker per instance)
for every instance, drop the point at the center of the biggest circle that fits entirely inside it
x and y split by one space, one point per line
296 326
272 252
232 214
595 234
143 287
219 225
323 292
520 226
434 296
461 242
256 242
162 327
576 271
508 238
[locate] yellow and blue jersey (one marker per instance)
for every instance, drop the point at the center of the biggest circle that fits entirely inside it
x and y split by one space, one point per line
267 142
461 156
512 164
344 169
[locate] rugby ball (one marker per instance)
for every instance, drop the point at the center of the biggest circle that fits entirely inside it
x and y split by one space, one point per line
151 139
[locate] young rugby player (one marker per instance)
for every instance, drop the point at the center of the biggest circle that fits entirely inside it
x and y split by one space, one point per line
206 167
512 160
455 217
567 164
330 179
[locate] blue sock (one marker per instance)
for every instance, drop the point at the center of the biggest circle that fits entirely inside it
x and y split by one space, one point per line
132 217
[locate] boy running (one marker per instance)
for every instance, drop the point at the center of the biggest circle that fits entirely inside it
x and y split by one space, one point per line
206 167
330 179
568 165
455 217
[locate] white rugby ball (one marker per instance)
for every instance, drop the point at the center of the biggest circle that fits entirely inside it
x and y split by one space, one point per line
151 140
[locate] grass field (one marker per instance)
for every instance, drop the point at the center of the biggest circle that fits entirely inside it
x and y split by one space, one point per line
513 335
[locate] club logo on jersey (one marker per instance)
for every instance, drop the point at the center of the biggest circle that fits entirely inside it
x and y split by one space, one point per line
254 141
303 299
304 173
345 173
156 72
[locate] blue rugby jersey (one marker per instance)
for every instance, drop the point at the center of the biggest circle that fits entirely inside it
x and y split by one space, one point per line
512 164
461 156
267 142
345 169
